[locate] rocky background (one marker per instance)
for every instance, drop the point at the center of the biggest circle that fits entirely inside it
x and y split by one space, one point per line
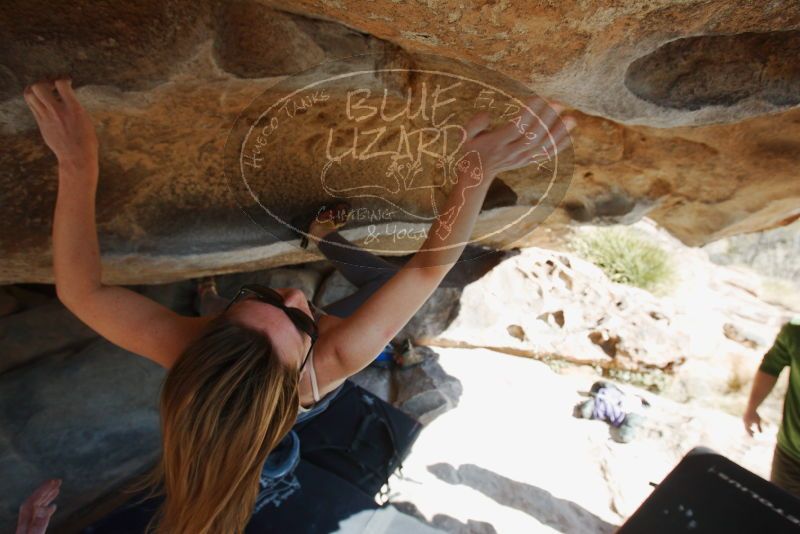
773 253
687 113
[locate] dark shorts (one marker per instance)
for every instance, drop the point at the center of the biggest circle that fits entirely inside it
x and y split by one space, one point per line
785 472
278 480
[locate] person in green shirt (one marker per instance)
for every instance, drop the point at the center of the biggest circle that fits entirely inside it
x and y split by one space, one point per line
784 351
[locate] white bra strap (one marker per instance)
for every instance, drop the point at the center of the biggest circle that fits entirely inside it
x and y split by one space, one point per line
314 387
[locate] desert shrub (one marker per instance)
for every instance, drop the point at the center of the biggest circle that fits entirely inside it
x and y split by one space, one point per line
627 257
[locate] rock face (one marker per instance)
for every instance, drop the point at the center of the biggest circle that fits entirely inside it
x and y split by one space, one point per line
52 327
603 58
750 65
772 253
561 306
553 305
426 391
687 113
98 403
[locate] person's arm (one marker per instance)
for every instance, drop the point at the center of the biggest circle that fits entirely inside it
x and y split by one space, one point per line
775 359
122 316
358 338
762 385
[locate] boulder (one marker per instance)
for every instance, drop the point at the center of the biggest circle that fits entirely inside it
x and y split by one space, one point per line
88 417
306 280
687 113
8 303
433 317
442 306
376 380
34 333
656 63
334 287
772 253
557 305
554 305
426 391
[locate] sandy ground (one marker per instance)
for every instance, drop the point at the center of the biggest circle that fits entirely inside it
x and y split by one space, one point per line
511 458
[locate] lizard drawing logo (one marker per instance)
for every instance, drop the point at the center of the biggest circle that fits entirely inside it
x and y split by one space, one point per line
393 150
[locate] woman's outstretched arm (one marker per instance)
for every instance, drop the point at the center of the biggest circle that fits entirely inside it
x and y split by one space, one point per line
124 317
357 339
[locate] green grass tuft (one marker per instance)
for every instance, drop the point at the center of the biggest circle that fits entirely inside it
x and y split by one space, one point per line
627 258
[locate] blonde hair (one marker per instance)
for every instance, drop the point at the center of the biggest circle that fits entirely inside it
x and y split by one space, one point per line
225 404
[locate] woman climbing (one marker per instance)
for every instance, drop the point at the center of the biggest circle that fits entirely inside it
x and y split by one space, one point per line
237 379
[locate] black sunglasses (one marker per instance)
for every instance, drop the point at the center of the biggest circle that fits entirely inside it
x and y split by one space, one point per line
299 318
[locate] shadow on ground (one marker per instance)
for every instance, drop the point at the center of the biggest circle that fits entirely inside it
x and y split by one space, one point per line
536 502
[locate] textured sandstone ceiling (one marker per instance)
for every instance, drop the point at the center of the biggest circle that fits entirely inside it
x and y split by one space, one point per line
687 114
659 63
